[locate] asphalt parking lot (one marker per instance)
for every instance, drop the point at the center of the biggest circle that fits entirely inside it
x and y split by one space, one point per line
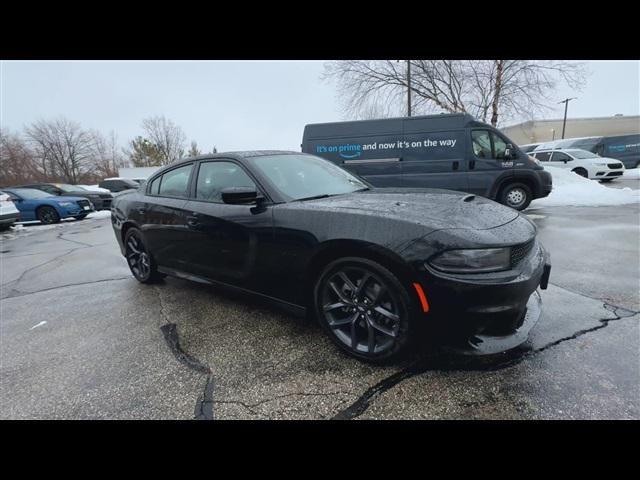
81 339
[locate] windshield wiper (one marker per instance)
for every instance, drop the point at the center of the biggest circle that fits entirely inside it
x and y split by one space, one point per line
315 197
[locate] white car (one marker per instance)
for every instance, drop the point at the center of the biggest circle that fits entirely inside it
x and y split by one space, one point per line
9 214
93 188
587 164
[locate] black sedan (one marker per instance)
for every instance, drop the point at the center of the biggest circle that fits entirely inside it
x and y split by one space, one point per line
373 266
100 201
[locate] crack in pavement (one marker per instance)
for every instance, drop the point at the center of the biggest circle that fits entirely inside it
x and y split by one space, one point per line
251 406
443 363
23 294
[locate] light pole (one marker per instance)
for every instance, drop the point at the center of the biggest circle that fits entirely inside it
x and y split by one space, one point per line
566 104
553 134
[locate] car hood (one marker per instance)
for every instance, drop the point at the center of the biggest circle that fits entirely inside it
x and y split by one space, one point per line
431 208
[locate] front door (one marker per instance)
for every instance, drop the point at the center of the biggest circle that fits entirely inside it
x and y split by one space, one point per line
224 240
487 161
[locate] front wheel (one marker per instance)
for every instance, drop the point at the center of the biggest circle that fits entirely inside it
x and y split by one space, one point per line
516 195
364 308
47 215
582 172
140 261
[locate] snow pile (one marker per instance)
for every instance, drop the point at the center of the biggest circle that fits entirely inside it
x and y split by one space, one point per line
570 189
100 214
631 174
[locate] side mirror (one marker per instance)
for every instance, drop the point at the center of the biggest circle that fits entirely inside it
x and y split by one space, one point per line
509 152
240 195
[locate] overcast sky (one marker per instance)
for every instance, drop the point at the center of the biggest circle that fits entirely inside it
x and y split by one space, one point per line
233 105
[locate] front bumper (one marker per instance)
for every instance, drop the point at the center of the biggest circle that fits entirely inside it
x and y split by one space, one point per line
484 314
9 218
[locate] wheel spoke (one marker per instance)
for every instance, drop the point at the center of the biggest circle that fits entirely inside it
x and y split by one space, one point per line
133 247
383 311
371 337
376 300
354 338
386 331
339 293
332 306
348 282
362 283
343 321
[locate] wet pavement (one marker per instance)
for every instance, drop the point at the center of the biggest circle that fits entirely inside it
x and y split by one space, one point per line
80 338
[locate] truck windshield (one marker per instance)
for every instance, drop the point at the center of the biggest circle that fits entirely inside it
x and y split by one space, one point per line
298 177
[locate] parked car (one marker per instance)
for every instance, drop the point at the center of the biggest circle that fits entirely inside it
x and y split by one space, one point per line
116 185
582 162
100 201
94 188
624 148
452 151
9 214
372 265
35 204
528 148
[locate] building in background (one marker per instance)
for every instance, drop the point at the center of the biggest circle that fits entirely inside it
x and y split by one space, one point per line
538 131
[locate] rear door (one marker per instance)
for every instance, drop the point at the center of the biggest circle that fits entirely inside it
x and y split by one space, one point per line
560 160
486 161
224 241
163 216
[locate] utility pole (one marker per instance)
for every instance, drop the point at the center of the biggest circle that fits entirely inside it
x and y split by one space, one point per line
408 88
566 104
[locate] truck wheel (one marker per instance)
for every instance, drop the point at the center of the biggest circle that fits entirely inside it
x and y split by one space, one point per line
582 172
516 195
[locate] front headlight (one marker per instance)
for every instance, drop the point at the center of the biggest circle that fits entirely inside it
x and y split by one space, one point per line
473 261
600 164
67 204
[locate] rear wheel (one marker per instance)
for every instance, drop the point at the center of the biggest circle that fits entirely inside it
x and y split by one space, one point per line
516 195
582 172
364 308
47 215
140 261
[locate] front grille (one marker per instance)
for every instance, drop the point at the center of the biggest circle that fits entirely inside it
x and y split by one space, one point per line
83 203
614 165
519 252
105 195
614 174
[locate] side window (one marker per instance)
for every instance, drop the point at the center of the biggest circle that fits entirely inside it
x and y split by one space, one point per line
154 188
213 177
499 147
481 144
543 156
175 182
561 157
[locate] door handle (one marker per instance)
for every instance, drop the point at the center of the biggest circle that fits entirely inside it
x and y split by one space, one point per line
472 164
456 164
142 210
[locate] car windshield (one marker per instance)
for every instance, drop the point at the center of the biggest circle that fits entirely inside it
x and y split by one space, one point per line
298 177
80 187
31 193
582 154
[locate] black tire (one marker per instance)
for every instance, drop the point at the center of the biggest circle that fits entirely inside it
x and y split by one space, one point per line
516 195
606 180
6 226
140 261
373 324
582 172
81 217
47 215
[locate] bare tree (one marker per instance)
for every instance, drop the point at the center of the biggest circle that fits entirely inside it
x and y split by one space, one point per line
490 90
106 154
194 151
17 163
166 136
63 149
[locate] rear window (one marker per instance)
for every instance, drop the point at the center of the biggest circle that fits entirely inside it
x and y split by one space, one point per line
175 182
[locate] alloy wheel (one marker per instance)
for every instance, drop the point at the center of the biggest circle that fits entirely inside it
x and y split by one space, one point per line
516 197
360 309
138 257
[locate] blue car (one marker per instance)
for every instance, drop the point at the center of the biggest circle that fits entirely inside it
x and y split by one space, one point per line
38 205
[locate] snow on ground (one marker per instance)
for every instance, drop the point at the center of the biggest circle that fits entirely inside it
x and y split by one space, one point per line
27 228
570 189
632 174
